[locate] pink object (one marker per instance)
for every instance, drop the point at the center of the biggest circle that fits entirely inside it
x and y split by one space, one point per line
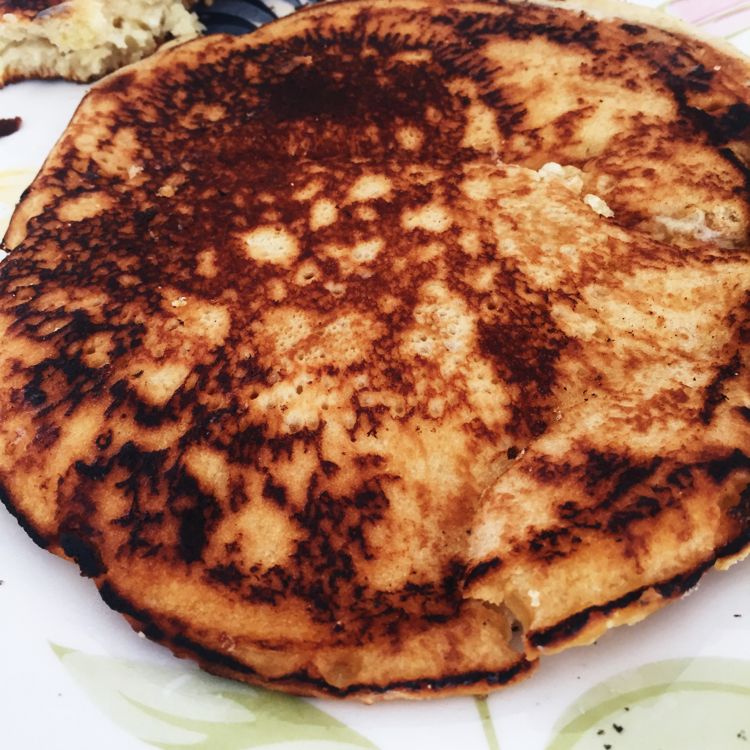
728 24
702 11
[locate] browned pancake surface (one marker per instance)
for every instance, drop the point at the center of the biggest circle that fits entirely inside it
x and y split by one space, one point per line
325 384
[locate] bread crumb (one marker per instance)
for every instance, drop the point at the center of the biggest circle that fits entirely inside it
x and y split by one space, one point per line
598 205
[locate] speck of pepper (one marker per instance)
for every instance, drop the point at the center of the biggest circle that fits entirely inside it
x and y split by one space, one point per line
738 615
619 729
9 125
608 747
742 735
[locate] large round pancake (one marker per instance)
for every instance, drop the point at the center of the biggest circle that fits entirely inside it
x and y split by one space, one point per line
325 384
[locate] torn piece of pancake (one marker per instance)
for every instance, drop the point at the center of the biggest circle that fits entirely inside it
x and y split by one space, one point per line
9 125
333 351
81 40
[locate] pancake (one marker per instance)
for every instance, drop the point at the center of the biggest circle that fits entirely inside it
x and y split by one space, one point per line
338 352
81 40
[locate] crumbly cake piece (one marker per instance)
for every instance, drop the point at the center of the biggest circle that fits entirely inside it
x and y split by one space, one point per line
81 40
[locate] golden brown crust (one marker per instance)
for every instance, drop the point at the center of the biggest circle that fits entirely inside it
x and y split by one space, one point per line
326 382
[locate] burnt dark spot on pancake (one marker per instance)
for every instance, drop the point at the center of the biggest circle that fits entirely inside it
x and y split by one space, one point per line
34 395
280 445
548 471
719 128
104 440
310 109
116 601
83 551
150 416
714 392
481 570
367 419
211 656
9 125
452 580
735 122
539 22
551 544
46 436
120 83
145 467
144 472
274 492
568 510
741 511
641 508
197 513
633 29
306 91
570 627
192 534
681 477
602 467
525 354
631 477
335 529
719 469
37 537
96 472
251 370
229 574
682 583
329 468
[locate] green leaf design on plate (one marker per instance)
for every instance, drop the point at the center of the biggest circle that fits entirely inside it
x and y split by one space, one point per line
485 717
174 707
678 704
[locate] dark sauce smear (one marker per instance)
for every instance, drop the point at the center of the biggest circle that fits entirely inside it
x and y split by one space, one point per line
9 125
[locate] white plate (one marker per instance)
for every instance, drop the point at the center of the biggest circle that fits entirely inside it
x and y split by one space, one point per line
74 675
